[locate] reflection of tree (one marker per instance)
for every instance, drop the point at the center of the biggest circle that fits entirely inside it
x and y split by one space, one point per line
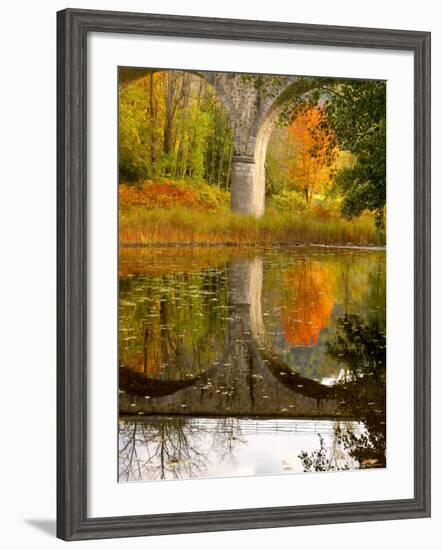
361 347
333 457
174 447
310 303
170 325
162 450
226 438
354 279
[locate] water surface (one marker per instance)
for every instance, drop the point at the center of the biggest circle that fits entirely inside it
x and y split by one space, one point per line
235 362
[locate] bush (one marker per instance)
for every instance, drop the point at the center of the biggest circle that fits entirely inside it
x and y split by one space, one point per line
288 201
191 194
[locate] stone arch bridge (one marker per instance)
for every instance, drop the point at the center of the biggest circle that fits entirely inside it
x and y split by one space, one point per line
253 105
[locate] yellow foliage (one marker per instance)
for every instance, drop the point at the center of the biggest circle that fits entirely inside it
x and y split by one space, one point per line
311 138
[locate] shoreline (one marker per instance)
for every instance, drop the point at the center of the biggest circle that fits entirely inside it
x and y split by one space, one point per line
260 245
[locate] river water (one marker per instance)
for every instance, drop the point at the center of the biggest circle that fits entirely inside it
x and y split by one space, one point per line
250 362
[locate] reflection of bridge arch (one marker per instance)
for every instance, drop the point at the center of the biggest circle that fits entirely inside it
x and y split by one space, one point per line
135 383
253 105
249 379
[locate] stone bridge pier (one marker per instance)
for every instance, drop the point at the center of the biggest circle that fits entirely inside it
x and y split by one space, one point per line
253 104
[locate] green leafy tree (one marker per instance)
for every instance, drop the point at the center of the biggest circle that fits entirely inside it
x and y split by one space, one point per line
357 113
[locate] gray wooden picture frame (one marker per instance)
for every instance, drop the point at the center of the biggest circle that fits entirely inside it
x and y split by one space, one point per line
73 27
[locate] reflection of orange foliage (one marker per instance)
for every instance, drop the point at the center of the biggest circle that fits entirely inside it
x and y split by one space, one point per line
309 298
163 195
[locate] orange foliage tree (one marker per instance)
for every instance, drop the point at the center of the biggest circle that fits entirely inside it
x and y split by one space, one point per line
312 164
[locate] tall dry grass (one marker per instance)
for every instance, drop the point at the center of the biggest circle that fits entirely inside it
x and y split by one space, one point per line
178 224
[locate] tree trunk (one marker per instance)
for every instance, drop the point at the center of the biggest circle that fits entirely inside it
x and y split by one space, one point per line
173 98
220 164
152 116
229 166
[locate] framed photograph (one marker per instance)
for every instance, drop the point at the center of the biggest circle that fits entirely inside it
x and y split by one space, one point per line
243 274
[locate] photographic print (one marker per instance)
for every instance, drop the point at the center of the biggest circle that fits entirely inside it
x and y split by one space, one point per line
252 274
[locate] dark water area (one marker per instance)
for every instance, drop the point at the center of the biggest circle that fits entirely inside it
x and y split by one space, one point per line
239 362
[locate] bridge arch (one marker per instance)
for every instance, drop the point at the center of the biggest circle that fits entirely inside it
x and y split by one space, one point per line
252 111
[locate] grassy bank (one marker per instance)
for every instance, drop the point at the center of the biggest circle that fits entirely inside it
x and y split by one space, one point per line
195 214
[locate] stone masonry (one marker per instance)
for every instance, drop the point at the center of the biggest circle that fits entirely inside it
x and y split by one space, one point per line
253 111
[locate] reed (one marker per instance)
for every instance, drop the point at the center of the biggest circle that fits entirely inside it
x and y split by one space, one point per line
180 224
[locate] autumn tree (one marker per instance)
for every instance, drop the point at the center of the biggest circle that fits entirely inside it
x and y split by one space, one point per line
355 110
311 165
140 126
172 123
